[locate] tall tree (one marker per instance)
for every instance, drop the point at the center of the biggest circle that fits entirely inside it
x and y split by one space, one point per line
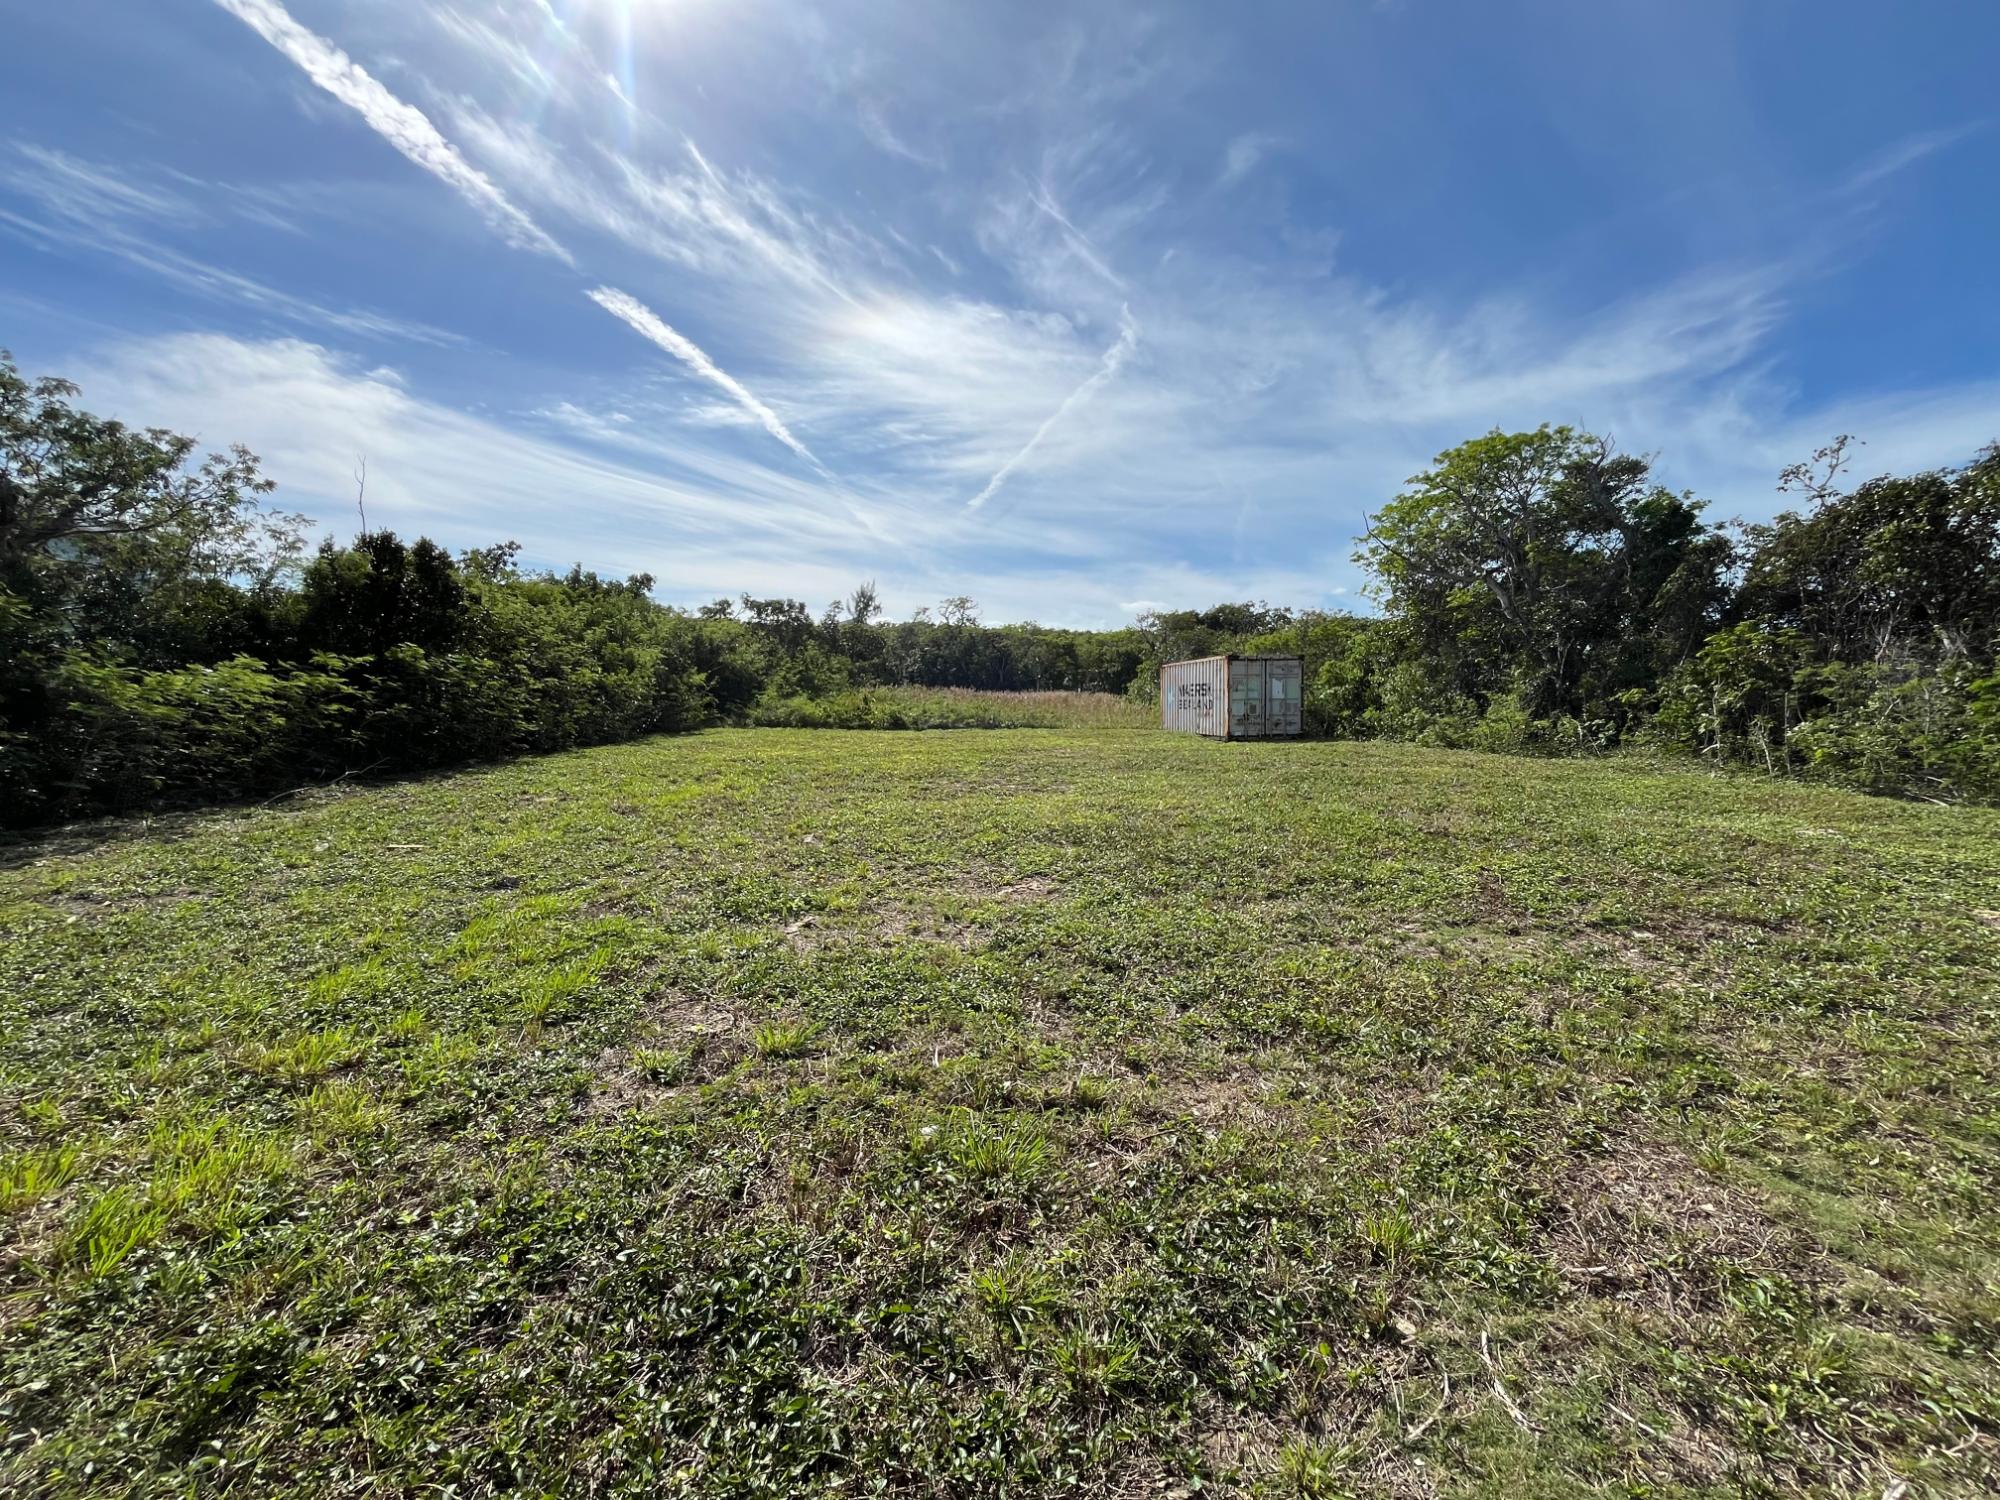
111 532
1902 565
1546 560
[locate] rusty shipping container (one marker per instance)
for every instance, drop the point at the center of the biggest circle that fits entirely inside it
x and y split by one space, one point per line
1235 697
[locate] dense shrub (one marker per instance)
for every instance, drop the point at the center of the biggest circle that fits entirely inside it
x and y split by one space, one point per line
124 735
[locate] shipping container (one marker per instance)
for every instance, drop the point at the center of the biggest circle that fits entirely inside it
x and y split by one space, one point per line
1235 697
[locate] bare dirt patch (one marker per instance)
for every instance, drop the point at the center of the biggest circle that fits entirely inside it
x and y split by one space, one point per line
1645 1224
677 1042
1032 888
83 902
1473 943
887 923
619 1086
988 885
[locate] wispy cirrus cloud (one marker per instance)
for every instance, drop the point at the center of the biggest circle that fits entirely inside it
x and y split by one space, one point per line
681 210
82 207
724 525
874 123
402 125
308 410
1079 242
929 337
411 132
1905 153
1243 153
86 192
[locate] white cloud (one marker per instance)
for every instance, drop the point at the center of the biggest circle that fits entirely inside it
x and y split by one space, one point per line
402 125
579 484
717 414
682 211
93 209
86 192
1905 153
730 525
966 338
1079 243
1242 156
310 412
882 135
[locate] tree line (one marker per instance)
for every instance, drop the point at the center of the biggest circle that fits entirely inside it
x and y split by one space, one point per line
1540 591
167 633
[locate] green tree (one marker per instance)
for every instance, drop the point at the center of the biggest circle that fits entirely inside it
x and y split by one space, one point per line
1548 565
120 552
380 593
1903 566
108 531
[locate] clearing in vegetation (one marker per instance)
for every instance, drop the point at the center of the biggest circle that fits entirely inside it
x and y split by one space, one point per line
1089 1111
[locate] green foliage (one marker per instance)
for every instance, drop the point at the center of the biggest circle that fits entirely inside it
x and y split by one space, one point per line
388 656
1315 1469
124 735
163 637
1012 1156
307 1057
782 1039
947 708
663 1064
1548 562
119 1222
1019 1295
1907 564
30 1176
1543 598
1867 654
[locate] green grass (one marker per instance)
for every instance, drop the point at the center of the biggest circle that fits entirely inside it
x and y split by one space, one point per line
1080 1111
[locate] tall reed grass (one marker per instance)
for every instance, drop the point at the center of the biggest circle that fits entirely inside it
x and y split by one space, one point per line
952 708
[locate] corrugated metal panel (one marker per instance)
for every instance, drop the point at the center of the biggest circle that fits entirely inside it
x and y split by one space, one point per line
1194 696
1246 698
1284 697
1235 697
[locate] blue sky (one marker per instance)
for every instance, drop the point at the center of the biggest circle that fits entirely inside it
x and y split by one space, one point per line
1074 308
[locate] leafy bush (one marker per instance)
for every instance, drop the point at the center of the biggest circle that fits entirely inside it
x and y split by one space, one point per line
1888 728
1760 696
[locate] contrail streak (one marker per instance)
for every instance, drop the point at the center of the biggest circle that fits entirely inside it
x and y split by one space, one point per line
1114 357
407 129
1079 242
403 126
647 324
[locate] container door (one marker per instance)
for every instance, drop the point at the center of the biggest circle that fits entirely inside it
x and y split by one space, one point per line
1246 700
1284 698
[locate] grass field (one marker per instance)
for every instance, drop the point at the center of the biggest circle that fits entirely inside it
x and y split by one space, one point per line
1043 1111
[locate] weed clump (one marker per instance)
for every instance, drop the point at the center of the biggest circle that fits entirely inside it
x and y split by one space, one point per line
779 1040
